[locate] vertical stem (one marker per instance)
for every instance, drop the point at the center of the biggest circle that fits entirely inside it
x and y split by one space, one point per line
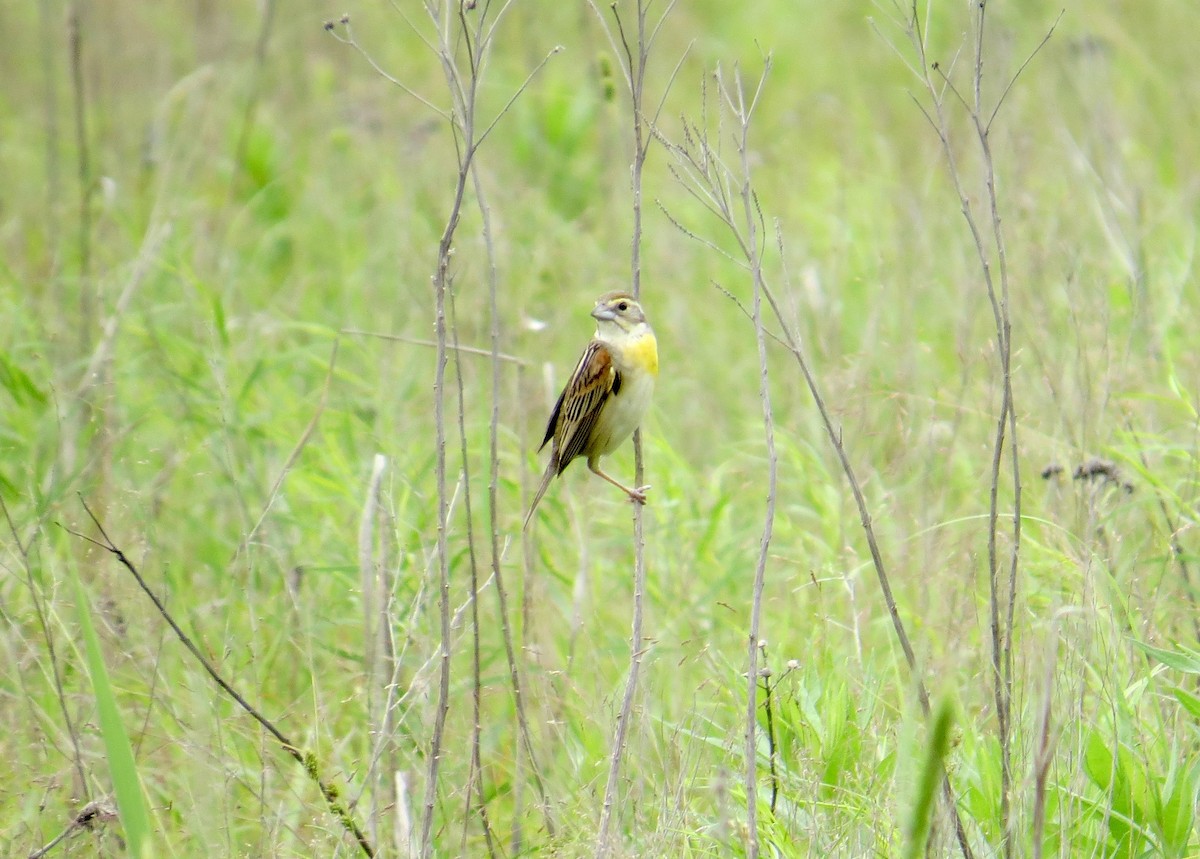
752 245
441 287
1002 635
636 71
87 310
525 735
476 766
50 108
375 624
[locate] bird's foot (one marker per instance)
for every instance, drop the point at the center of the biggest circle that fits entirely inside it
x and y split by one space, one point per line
638 496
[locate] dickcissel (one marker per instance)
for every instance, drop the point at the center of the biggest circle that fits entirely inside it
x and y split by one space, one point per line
607 395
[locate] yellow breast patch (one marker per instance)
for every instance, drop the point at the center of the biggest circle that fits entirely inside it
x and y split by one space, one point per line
644 353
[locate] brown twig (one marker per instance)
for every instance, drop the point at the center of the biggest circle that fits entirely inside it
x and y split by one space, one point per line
97 811
707 178
1002 603
83 157
514 673
749 224
329 791
475 775
1044 756
458 348
468 36
634 57
765 673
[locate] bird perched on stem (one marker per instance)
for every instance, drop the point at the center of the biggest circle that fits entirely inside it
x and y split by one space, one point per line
607 395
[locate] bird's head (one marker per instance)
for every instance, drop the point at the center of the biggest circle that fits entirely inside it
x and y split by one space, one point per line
618 312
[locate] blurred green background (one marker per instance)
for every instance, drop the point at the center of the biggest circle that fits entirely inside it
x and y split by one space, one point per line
197 199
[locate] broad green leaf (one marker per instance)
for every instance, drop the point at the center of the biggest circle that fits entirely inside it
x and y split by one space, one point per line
1178 813
1189 700
1181 660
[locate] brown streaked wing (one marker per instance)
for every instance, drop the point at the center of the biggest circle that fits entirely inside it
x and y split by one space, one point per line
581 401
553 422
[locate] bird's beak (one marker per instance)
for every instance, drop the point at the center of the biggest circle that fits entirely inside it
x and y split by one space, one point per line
604 312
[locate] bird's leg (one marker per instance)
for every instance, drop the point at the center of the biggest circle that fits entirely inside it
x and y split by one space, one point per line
637 496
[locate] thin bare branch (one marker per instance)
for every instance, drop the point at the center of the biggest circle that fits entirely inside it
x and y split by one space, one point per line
636 54
273 494
700 154
476 764
307 760
526 735
1016 75
417 341
350 40
517 94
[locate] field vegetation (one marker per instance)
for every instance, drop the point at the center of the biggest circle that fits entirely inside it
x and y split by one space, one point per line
289 289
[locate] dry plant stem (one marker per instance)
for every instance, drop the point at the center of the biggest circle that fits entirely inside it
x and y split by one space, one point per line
463 90
620 736
526 582
835 437
439 417
475 773
1002 604
634 66
454 30
471 37
706 177
766 678
48 38
1045 752
23 550
459 348
514 673
329 791
465 126
86 299
375 629
750 219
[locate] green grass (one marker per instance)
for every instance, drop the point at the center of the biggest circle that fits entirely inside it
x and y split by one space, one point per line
330 222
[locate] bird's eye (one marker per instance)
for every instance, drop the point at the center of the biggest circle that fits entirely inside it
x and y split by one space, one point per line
623 306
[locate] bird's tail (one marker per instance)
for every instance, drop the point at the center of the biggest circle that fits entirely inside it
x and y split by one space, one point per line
551 470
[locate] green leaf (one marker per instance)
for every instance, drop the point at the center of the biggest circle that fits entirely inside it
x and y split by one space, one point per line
1098 760
1178 813
1184 660
130 802
17 382
1189 700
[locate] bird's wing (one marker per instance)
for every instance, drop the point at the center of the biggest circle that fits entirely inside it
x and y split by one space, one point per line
579 405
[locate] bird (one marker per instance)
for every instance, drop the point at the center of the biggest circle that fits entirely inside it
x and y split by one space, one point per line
607 395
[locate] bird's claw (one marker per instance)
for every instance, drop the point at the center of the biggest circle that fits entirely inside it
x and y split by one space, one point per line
638 496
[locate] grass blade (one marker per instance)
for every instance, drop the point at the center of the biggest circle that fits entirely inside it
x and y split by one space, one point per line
927 785
130 802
